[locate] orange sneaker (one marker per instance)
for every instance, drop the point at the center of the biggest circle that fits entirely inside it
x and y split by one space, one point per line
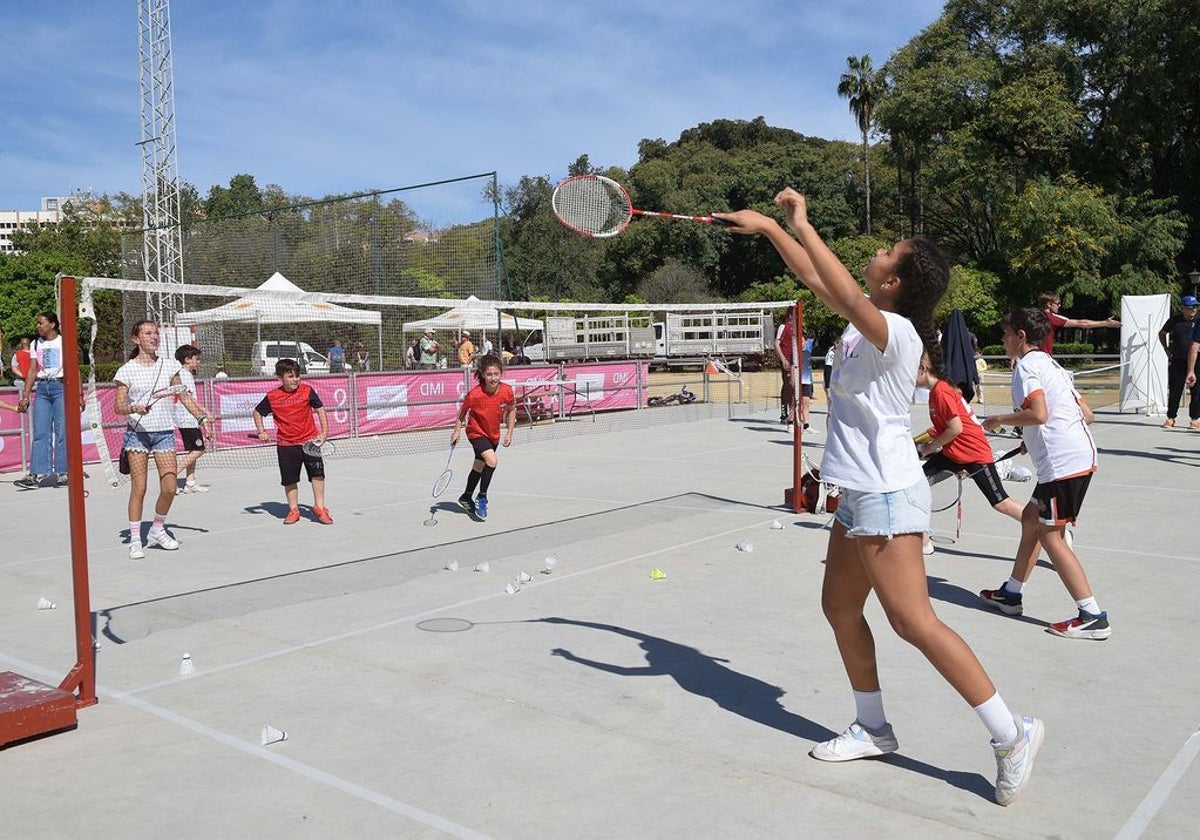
323 516
292 517
1170 424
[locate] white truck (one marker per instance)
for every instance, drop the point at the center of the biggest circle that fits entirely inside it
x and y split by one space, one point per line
680 339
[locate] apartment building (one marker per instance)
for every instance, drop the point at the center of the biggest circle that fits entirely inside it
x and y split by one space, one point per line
13 220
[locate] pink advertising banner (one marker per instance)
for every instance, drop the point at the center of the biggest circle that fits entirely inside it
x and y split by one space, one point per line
367 403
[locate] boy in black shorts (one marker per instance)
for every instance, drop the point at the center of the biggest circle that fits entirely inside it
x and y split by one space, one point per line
293 403
1054 420
191 431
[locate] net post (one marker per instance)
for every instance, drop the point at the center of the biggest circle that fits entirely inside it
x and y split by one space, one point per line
82 677
799 503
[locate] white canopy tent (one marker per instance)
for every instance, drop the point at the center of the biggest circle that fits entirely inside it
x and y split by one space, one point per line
1143 360
280 301
474 314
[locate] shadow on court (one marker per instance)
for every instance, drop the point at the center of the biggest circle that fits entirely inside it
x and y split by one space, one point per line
942 590
704 676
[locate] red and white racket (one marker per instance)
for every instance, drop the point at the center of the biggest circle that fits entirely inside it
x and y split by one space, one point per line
599 207
169 391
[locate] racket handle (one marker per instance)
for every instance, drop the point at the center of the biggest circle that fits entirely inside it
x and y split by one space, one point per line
720 222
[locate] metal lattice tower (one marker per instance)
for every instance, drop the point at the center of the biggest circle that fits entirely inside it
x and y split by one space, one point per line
162 243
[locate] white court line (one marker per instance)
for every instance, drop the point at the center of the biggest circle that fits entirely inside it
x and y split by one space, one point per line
1158 795
256 751
362 631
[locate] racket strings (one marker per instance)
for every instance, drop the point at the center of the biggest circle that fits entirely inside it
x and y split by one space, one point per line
592 206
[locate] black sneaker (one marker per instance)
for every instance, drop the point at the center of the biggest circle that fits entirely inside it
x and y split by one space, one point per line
1003 600
467 503
29 482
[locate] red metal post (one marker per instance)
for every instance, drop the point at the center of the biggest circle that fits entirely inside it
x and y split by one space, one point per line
82 678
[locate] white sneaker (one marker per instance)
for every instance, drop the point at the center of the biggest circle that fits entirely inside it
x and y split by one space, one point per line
135 551
857 742
162 539
1014 762
197 488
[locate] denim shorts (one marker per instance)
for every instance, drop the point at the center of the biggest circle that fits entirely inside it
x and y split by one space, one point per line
139 440
886 514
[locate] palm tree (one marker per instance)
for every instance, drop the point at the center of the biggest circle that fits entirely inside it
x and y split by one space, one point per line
863 87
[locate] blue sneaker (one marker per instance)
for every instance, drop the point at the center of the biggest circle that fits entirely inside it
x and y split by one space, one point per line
481 507
464 502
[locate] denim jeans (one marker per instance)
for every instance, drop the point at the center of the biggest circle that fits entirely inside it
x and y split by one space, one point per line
49 432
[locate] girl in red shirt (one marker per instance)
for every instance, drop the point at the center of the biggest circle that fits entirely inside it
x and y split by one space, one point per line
957 443
482 410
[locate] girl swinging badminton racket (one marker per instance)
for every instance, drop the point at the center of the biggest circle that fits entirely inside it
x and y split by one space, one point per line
875 542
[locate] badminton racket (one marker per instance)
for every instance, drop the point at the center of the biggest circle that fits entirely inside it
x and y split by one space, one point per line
169 391
443 480
600 207
947 498
319 449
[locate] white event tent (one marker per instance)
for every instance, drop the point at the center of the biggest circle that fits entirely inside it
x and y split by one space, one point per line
280 301
474 314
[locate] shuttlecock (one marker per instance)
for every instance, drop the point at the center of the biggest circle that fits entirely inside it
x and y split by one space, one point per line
745 546
550 563
271 735
46 604
512 587
524 577
776 525
657 574
483 567
452 566
186 666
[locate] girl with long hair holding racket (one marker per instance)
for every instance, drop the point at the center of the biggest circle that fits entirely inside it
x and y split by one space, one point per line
147 389
482 409
875 541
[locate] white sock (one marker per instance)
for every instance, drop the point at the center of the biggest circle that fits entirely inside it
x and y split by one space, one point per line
869 708
1013 585
135 530
160 521
1089 605
998 718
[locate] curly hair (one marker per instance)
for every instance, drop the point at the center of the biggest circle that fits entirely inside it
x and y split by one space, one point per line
924 276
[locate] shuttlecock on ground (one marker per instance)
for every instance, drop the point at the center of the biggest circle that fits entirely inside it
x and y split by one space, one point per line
550 563
452 566
483 567
745 545
512 587
776 525
186 666
524 577
657 574
271 735
45 603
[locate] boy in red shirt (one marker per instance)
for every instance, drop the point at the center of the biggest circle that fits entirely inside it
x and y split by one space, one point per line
293 404
485 405
956 443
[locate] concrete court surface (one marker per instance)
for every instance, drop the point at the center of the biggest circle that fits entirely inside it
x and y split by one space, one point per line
595 702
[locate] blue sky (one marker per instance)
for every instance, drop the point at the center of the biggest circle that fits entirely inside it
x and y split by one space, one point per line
332 96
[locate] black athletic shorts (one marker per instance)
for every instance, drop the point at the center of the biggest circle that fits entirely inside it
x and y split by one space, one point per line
986 477
193 439
481 445
1059 501
290 459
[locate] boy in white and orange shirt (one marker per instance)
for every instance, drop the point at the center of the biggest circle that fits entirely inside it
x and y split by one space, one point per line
1054 421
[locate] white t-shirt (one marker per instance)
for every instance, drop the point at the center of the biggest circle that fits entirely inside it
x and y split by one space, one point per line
49 355
870 446
184 419
143 380
1062 447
